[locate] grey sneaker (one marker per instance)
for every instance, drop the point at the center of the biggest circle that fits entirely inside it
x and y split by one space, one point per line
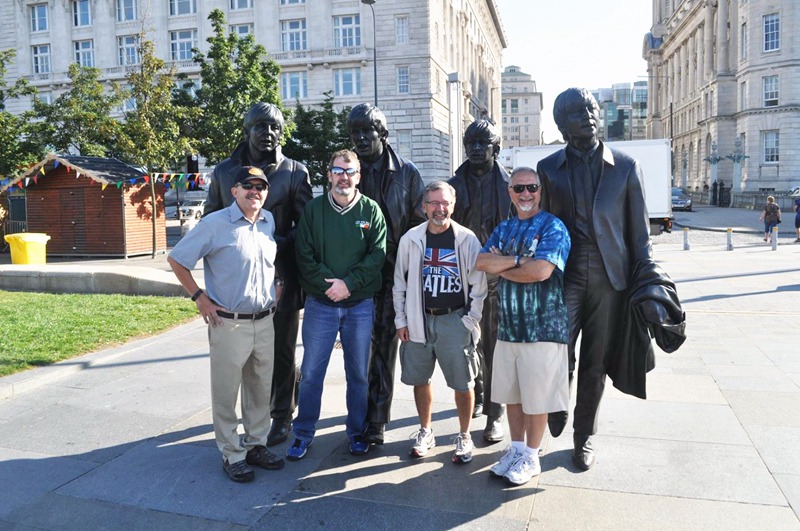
524 468
423 442
238 471
464 448
500 468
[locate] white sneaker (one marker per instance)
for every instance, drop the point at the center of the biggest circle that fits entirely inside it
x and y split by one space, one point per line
500 468
423 442
523 469
464 449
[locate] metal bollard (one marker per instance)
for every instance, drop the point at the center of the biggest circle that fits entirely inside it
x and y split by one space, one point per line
730 240
774 238
686 245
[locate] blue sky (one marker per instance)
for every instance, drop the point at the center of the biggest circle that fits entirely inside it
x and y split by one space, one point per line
567 43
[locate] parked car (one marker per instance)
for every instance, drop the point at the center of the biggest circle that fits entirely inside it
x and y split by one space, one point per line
681 200
193 209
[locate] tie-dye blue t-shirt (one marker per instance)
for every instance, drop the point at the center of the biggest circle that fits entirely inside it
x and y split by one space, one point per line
534 311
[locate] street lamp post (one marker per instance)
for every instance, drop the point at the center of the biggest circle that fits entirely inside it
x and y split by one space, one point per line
374 50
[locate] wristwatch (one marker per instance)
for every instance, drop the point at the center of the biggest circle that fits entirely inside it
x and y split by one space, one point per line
516 261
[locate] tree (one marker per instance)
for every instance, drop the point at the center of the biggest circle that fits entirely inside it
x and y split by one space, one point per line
318 133
234 75
15 151
80 119
151 134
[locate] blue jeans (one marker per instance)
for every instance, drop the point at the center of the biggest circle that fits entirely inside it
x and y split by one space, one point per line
321 322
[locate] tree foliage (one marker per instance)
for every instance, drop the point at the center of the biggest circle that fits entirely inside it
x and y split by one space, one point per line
317 135
151 134
79 121
15 151
234 75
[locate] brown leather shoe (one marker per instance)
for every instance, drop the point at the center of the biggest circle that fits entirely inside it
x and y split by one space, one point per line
259 456
583 454
238 471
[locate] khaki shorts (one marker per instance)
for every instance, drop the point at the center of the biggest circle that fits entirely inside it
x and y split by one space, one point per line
532 374
450 343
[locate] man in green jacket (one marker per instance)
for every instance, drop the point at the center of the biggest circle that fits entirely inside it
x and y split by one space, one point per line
341 247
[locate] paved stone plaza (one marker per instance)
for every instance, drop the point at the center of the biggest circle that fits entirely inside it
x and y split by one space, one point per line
122 439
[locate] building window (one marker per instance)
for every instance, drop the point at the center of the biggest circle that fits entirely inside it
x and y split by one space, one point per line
84 53
743 42
346 31
182 7
126 10
41 59
404 145
514 106
181 44
188 86
347 81
401 29
44 97
293 35
770 91
402 80
771 144
743 95
242 30
128 46
81 13
294 85
772 32
285 2
39 17
241 4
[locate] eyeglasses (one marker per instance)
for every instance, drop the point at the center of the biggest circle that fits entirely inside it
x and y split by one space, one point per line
336 170
518 188
249 186
437 204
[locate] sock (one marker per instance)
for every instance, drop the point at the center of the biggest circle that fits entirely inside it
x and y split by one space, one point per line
519 446
425 430
466 436
531 451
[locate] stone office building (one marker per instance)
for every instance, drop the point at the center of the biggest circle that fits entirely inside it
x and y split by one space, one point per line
438 61
725 85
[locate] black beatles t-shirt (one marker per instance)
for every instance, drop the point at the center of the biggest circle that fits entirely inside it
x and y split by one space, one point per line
441 281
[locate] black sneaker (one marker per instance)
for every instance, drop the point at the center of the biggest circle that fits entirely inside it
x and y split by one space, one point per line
259 456
238 471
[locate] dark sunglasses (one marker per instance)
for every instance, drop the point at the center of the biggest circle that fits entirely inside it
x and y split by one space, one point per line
336 170
518 188
249 186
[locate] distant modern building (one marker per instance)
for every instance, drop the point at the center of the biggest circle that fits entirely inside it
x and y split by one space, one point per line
521 109
623 111
438 62
724 80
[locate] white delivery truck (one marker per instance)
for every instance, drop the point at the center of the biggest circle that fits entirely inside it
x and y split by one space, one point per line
654 157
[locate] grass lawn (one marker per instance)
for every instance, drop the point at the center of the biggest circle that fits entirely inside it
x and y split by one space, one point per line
43 328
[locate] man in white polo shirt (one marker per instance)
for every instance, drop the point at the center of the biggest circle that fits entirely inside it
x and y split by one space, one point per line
238 249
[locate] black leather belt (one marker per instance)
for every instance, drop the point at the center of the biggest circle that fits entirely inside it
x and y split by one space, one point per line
248 316
441 311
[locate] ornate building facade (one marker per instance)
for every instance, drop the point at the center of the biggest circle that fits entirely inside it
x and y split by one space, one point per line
724 81
522 109
438 62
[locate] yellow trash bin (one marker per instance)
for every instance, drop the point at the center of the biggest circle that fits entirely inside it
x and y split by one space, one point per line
28 247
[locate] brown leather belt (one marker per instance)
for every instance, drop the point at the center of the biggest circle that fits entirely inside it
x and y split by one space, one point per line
442 311
248 316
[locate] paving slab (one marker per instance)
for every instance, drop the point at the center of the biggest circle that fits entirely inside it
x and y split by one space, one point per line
580 509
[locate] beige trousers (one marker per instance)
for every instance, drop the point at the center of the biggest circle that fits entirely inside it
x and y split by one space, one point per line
242 357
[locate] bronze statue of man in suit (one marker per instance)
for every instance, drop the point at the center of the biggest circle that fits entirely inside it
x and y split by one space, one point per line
597 192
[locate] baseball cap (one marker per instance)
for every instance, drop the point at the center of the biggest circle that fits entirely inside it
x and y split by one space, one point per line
247 173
